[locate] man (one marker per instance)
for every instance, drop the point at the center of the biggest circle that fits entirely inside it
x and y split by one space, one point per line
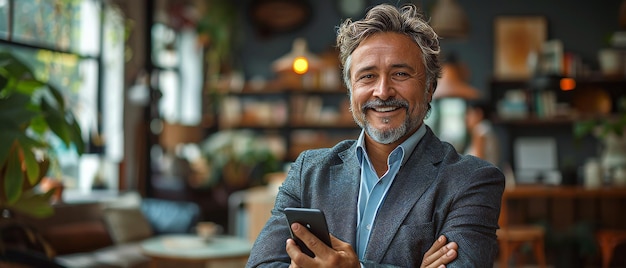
389 195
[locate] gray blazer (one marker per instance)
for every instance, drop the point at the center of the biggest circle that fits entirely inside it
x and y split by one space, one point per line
437 191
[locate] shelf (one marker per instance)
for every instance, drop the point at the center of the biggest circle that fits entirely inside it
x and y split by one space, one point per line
332 124
581 82
305 118
274 88
534 121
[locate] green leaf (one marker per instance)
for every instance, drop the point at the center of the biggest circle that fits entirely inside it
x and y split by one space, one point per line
16 67
14 178
58 97
5 146
3 83
35 204
12 111
32 166
583 128
77 137
28 86
39 125
30 143
56 122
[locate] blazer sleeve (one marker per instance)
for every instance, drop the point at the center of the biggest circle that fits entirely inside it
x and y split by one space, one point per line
269 248
472 220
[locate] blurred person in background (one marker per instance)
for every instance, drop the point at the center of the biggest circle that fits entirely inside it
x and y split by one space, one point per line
483 141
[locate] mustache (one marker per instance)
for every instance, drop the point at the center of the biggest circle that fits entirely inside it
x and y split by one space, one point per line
389 102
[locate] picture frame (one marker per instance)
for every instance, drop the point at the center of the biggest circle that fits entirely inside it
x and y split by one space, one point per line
518 42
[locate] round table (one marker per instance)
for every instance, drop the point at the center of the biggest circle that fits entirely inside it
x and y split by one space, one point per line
190 248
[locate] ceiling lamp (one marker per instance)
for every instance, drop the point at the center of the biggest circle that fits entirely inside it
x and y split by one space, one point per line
452 85
449 20
298 60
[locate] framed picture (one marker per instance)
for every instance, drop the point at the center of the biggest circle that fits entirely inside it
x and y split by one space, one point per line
518 44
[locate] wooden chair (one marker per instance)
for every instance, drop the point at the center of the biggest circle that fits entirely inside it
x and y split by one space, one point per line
608 240
511 238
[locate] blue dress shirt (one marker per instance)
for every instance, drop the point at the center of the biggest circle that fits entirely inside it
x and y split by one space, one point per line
373 189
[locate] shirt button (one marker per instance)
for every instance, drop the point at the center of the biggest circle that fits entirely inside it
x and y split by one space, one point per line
368 227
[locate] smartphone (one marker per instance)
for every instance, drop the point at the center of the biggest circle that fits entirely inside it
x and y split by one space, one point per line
314 220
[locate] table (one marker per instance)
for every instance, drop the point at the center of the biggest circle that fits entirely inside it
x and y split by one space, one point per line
190 249
563 205
570 213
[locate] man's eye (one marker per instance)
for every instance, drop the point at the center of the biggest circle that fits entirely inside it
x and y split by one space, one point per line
367 76
401 76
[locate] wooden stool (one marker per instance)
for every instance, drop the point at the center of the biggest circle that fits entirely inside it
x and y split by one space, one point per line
511 238
608 240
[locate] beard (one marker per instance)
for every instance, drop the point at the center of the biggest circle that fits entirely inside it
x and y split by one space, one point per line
386 135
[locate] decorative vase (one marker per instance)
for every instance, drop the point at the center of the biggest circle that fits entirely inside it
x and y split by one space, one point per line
613 155
593 173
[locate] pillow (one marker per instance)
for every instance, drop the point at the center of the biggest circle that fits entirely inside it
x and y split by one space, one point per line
169 216
127 224
125 200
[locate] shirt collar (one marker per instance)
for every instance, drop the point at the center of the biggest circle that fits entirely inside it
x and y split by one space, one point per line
406 147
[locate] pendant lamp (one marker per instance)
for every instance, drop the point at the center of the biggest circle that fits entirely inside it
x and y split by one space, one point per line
298 60
449 20
452 83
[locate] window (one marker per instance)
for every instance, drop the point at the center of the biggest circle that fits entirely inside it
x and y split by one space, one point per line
178 60
447 119
78 46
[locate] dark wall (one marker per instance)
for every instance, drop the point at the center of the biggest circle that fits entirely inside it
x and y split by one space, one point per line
257 50
582 26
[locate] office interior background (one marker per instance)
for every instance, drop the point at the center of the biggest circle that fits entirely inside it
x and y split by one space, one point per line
191 100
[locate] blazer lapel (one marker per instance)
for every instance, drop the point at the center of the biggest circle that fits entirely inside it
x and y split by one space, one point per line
344 180
411 182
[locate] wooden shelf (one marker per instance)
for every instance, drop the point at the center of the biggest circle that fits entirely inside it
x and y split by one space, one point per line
540 191
321 115
534 121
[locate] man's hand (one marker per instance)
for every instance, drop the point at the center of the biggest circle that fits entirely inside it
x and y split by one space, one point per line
440 254
343 255
340 255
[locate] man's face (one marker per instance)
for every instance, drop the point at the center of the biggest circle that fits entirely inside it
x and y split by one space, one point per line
389 98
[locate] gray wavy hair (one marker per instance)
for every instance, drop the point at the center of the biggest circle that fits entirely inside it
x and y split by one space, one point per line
407 20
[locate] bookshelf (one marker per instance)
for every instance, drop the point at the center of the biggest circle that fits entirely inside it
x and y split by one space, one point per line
297 118
593 97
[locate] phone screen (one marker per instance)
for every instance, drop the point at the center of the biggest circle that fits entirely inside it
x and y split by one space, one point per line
314 220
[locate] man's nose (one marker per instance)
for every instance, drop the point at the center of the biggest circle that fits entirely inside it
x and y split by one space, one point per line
384 89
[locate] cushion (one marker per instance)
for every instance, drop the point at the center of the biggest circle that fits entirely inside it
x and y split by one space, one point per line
130 199
169 216
127 224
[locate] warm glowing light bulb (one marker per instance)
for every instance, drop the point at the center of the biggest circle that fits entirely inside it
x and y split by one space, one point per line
300 65
567 84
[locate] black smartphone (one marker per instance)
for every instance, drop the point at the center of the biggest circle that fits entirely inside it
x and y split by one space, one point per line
314 220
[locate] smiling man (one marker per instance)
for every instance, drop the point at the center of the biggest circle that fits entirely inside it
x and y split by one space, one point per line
395 196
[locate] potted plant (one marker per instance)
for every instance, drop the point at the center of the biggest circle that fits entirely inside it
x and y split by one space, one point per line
30 111
237 159
610 131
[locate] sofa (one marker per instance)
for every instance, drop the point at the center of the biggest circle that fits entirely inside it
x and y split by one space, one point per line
109 233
